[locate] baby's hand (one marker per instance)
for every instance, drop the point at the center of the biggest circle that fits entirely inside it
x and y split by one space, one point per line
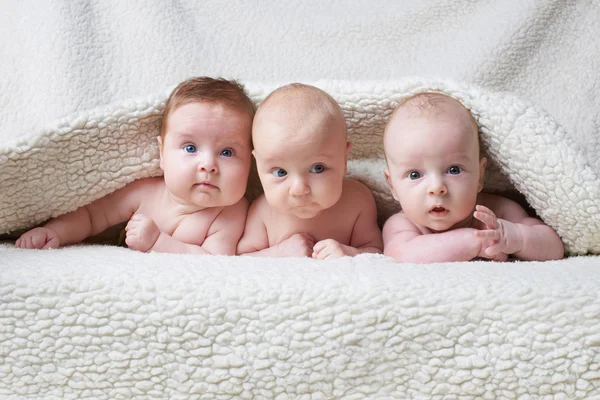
499 238
330 248
298 245
142 232
38 238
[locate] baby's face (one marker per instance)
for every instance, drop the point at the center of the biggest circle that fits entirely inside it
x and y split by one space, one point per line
206 154
301 165
434 169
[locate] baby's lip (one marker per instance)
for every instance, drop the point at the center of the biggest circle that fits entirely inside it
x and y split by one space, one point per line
205 183
438 209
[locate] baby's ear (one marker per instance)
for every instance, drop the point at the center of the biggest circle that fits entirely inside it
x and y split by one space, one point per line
348 149
386 172
482 165
160 151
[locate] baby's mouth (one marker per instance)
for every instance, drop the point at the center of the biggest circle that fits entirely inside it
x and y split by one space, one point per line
438 211
205 184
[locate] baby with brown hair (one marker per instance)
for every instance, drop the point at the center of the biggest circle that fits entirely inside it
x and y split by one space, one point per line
198 206
435 170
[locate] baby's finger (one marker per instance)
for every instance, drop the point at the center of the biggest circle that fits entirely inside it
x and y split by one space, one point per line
484 209
136 217
38 241
51 244
29 243
488 234
493 250
489 220
311 240
319 246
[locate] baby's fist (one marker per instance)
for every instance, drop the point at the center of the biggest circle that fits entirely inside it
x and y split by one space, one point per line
141 233
38 238
330 248
298 245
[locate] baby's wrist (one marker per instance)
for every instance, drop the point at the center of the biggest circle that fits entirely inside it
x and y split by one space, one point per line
154 241
515 238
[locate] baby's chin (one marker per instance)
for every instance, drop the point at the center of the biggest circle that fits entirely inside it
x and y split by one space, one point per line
444 226
304 212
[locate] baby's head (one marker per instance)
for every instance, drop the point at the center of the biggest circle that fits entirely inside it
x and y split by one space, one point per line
434 164
205 142
300 146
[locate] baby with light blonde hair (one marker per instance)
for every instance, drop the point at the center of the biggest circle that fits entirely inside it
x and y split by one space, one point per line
308 207
435 170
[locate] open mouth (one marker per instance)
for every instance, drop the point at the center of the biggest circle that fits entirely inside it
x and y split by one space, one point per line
439 211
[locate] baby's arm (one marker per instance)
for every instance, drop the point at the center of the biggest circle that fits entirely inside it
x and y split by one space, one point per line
222 237
255 241
366 235
404 242
86 221
517 233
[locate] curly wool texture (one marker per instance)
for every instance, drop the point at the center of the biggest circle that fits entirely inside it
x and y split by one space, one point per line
362 327
88 155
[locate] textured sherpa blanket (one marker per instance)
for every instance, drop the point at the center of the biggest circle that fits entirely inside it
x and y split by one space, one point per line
107 323
92 154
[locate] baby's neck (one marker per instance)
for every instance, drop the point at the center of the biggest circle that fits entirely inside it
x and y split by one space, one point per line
181 207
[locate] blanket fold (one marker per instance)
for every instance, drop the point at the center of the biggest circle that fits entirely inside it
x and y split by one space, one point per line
88 155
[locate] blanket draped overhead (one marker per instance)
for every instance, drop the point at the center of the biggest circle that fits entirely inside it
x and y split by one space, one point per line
82 87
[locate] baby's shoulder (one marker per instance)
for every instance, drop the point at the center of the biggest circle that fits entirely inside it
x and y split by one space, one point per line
353 188
147 184
399 222
260 209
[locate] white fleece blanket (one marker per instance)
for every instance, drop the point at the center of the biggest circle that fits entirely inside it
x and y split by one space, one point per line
105 322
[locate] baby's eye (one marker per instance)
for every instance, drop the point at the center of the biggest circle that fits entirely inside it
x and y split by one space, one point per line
414 175
190 148
279 172
227 152
317 169
454 170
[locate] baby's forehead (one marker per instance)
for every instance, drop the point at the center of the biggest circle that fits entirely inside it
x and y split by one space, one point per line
431 108
431 105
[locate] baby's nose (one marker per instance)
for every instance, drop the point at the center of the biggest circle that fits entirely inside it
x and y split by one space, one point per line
299 187
437 187
207 164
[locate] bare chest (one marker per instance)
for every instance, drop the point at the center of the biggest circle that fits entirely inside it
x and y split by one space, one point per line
330 224
187 227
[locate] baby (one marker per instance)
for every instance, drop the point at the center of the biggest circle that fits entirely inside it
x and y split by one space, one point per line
308 208
199 205
435 170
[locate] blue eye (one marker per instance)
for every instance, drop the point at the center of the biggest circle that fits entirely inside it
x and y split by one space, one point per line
279 172
190 148
454 170
317 169
414 175
227 152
